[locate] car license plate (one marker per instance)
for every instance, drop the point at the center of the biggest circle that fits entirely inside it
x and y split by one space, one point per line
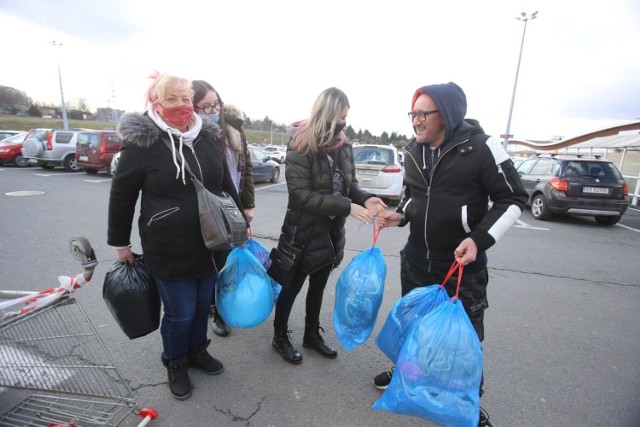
367 172
83 158
595 190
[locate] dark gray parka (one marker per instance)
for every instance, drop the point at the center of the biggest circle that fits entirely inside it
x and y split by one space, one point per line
315 217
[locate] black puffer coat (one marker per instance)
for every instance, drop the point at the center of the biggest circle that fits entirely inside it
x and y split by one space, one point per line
169 224
315 218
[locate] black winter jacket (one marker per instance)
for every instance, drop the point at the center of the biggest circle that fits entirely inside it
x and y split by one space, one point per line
168 224
308 221
471 170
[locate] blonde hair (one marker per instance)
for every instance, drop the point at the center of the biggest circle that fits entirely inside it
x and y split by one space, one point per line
314 133
158 87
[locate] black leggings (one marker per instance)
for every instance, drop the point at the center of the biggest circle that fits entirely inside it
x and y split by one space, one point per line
317 282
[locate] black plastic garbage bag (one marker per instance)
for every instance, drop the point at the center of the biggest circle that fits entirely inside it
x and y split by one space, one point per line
132 297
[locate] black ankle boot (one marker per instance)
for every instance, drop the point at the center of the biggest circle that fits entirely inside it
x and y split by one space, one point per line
313 339
179 382
201 359
220 328
282 344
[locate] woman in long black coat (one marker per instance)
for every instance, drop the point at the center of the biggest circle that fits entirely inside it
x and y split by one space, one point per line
323 192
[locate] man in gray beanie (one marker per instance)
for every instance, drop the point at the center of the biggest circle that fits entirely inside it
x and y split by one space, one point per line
452 171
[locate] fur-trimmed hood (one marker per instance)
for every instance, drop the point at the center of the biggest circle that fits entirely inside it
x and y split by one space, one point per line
139 130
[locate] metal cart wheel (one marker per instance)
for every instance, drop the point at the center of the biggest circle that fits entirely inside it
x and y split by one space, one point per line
82 251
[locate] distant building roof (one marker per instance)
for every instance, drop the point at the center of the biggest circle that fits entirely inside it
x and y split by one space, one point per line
620 131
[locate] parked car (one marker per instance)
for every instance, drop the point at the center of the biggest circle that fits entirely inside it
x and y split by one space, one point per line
11 150
379 171
7 133
114 163
95 150
52 147
277 153
517 161
264 169
575 186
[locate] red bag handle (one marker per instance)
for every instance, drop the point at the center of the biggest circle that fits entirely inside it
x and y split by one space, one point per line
376 230
455 266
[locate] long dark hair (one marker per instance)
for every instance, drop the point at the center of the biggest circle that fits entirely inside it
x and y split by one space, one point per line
200 89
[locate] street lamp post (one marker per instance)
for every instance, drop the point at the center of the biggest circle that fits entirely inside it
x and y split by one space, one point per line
525 18
65 121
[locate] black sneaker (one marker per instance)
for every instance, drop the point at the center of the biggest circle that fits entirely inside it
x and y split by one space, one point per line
382 380
179 382
202 360
484 419
220 328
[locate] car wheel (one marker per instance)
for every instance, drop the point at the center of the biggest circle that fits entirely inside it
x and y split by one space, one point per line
70 164
539 208
608 220
114 164
275 176
90 171
20 161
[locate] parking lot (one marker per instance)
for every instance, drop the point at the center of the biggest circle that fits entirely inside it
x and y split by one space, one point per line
561 345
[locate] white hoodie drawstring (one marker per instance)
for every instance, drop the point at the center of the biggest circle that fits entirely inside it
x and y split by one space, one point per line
186 138
424 158
179 168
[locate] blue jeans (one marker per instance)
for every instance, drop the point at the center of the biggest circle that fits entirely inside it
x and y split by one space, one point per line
186 306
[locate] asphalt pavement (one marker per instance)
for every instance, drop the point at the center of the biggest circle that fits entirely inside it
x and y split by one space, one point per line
561 345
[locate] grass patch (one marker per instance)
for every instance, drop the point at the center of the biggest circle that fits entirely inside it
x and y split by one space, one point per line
27 123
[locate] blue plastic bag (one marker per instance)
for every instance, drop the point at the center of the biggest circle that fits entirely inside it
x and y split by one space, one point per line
439 369
403 316
358 297
244 296
259 251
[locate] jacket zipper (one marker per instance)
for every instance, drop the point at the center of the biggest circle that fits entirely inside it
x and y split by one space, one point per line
429 183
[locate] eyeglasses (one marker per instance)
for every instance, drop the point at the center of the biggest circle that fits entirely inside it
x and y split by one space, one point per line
422 116
211 108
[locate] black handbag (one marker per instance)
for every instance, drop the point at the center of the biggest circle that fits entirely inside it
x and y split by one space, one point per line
222 224
285 259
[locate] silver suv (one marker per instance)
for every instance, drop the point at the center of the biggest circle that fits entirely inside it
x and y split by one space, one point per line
52 147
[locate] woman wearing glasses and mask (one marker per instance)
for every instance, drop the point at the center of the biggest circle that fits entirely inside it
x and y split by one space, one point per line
158 146
233 143
323 192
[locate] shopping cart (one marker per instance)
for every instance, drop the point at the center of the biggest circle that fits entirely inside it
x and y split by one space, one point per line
48 344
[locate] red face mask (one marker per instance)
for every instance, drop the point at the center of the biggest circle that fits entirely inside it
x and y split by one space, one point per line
178 116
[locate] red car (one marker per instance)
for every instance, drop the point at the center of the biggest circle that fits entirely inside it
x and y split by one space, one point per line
11 150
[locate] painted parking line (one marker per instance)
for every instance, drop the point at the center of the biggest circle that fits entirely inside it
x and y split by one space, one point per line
25 370
628 228
521 224
270 186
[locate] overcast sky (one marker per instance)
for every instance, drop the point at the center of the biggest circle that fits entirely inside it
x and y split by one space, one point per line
580 67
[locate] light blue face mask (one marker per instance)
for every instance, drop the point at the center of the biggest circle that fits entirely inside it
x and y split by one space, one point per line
215 118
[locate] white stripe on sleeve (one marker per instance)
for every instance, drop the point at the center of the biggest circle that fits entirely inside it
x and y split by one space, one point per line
505 222
497 150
